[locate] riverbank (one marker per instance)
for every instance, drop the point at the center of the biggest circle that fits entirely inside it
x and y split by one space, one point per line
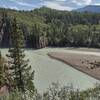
48 70
84 61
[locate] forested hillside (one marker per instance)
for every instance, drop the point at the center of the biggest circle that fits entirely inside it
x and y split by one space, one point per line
47 27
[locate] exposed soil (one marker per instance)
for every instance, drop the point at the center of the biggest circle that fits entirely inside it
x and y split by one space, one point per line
3 91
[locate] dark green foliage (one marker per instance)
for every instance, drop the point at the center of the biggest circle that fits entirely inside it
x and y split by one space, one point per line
20 71
48 27
5 30
38 38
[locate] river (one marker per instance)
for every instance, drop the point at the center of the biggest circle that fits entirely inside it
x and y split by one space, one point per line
48 70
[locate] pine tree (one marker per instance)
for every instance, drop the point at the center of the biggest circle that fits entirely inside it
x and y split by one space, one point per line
20 71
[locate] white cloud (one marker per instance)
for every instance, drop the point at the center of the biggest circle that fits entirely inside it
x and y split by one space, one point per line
24 4
53 0
11 0
13 7
60 0
82 2
56 5
98 4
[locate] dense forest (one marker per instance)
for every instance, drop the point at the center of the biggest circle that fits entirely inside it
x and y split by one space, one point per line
37 29
48 27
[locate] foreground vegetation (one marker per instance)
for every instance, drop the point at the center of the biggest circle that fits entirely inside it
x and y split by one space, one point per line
16 74
55 92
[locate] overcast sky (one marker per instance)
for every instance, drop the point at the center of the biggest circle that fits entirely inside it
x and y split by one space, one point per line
55 4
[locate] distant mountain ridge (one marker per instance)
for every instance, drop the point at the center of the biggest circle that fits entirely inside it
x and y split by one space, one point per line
90 8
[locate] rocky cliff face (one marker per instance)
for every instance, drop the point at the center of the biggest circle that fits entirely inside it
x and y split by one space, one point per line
1 31
5 32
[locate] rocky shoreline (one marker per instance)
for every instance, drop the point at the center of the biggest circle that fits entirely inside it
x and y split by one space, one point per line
84 63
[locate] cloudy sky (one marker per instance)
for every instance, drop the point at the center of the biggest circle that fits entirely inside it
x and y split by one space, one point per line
55 4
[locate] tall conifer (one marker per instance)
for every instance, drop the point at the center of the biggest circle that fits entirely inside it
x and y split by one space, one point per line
21 72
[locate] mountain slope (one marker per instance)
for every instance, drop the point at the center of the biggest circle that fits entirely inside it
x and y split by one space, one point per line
90 8
47 27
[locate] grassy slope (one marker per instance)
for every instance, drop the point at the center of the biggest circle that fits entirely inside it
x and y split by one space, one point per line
26 17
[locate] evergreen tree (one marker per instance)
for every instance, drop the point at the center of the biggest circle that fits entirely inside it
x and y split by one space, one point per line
20 71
